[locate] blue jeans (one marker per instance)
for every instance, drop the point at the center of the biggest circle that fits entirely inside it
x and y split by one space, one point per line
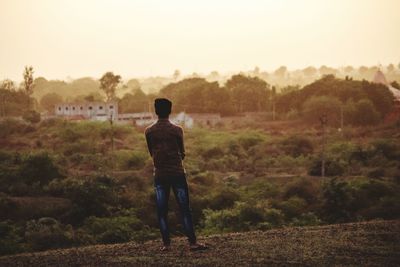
180 188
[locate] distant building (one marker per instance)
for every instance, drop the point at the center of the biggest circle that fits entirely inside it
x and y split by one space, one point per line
99 111
139 119
189 120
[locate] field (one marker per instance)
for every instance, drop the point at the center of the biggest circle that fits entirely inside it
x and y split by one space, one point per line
374 243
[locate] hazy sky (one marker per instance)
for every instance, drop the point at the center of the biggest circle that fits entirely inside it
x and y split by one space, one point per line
76 38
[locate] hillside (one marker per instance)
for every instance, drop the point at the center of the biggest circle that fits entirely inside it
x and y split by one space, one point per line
375 243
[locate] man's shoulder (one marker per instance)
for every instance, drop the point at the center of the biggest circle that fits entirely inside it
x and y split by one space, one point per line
150 127
177 127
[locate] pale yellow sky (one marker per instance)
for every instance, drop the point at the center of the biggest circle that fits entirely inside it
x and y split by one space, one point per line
134 38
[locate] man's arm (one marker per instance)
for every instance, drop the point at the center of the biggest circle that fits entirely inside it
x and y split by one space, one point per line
149 145
181 143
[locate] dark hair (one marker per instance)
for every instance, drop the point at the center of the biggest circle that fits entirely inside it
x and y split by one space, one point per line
163 107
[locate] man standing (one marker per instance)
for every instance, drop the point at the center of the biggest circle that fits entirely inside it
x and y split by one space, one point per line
165 144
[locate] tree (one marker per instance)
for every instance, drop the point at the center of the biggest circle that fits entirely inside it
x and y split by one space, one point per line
28 83
31 116
109 83
365 113
363 70
133 85
7 85
390 68
248 93
136 102
316 106
324 70
310 71
49 101
348 69
281 71
176 75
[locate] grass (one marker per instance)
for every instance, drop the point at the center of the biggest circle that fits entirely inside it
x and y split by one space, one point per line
375 243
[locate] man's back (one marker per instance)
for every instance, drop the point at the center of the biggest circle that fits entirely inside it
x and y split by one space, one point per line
165 144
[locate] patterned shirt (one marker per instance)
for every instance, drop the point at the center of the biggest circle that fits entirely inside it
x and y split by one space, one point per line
165 144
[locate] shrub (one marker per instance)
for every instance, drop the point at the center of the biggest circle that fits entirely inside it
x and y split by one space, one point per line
365 113
293 207
220 221
274 216
306 219
10 238
336 197
303 188
251 139
13 126
386 147
213 152
47 233
332 168
223 199
316 106
31 116
117 229
90 196
38 167
137 160
296 146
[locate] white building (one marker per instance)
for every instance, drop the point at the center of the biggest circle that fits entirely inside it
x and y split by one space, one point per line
139 119
100 111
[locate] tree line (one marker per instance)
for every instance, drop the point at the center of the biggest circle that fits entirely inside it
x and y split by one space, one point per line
358 102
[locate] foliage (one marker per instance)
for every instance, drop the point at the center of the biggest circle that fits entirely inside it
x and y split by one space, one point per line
38 167
90 196
31 116
297 145
109 83
317 106
28 83
47 233
116 229
50 100
10 241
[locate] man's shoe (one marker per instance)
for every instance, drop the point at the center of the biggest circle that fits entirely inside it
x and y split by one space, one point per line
165 248
197 246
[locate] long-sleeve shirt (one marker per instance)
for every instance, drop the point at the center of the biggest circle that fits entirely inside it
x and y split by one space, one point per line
165 144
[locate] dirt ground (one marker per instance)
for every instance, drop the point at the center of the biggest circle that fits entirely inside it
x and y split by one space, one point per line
375 243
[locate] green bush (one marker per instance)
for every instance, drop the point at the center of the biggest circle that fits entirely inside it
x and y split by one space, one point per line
336 201
38 167
304 188
297 145
316 106
10 238
220 221
137 160
365 113
31 116
117 229
274 216
90 195
9 127
47 233
332 168
293 207
306 219
223 199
